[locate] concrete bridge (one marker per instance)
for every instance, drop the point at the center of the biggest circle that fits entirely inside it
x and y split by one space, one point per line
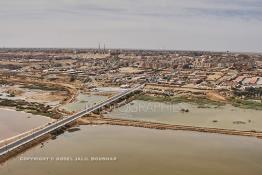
64 121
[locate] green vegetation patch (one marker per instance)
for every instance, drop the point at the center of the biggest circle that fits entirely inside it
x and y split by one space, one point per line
249 93
247 104
29 107
43 87
202 102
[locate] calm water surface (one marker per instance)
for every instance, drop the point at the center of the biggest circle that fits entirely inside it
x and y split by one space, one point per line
84 101
225 116
16 122
142 151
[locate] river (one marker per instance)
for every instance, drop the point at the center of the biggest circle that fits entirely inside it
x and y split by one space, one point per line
148 151
140 151
16 122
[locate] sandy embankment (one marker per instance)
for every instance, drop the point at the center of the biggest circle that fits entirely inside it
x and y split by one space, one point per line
95 120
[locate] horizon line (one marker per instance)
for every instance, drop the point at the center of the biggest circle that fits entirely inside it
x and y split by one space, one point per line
137 49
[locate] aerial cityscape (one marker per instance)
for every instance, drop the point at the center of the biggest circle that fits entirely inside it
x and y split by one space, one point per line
133 90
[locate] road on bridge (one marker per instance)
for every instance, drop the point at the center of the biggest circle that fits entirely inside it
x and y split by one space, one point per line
64 121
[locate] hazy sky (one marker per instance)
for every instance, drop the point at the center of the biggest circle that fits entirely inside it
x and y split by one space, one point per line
234 25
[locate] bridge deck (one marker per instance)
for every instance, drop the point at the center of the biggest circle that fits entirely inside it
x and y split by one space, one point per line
62 122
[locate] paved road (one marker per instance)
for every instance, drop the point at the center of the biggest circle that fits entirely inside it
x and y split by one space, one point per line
62 122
